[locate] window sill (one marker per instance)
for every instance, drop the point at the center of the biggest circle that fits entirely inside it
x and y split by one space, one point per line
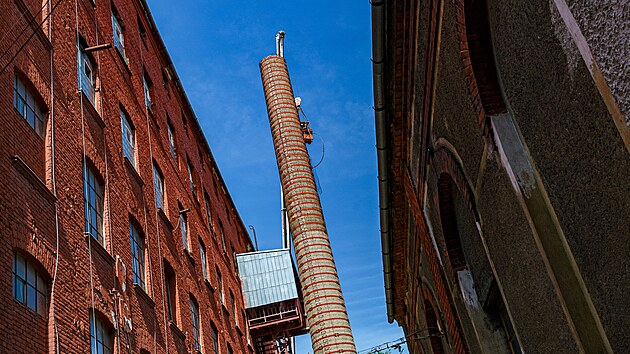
142 294
165 219
209 285
238 329
133 171
152 115
225 309
190 256
100 249
89 105
124 60
32 177
177 331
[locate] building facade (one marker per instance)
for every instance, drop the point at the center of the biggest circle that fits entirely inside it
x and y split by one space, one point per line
118 232
503 149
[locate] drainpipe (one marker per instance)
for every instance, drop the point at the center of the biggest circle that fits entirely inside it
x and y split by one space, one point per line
382 146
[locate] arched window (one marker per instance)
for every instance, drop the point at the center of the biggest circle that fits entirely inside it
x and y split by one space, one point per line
93 188
101 339
171 291
196 324
482 56
137 254
29 286
27 102
433 328
449 225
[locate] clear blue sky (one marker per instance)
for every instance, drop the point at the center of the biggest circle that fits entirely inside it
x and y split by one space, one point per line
216 47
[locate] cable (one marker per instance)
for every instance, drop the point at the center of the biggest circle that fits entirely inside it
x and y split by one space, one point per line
323 151
31 36
54 185
33 19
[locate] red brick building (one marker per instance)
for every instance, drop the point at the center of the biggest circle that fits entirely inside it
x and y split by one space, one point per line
117 230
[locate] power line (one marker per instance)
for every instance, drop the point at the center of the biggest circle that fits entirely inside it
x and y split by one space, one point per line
31 36
30 21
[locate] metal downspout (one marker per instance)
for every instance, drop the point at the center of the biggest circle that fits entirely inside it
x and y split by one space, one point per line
382 145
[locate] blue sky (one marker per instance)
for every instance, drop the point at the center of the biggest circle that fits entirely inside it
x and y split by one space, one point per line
216 47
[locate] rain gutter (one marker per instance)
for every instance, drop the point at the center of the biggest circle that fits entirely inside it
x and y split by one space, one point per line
382 146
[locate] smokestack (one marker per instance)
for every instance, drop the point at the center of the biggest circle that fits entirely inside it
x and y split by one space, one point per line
325 309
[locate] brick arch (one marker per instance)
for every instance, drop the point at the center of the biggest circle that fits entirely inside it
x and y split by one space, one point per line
433 318
477 56
446 161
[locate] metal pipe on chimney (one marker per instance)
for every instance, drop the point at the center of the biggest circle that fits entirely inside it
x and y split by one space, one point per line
280 44
324 305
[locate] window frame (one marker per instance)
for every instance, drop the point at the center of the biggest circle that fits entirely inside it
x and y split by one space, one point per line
215 338
29 101
119 36
158 182
87 81
98 326
97 231
170 282
138 255
172 142
191 171
183 225
147 86
204 260
196 324
21 283
233 300
128 133
220 286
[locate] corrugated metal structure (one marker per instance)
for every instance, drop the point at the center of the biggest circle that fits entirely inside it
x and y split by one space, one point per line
273 298
267 276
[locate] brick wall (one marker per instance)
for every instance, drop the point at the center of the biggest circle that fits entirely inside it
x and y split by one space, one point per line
89 274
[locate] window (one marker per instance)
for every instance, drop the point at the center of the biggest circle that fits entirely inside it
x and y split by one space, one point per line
206 200
185 122
148 86
158 180
93 204
194 314
201 159
204 261
222 235
233 303
230 349
29 287
191 170
183 226
100 336
170 283
128 138
119 39
215 338
171 140
220 286
87 79
26 104
137 255
142 30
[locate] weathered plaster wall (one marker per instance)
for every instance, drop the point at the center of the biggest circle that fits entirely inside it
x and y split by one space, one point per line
575 145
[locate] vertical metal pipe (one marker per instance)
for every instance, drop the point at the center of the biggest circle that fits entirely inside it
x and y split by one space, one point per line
285 229
325 309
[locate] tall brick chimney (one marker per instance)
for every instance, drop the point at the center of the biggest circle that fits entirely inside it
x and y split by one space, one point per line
325 309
